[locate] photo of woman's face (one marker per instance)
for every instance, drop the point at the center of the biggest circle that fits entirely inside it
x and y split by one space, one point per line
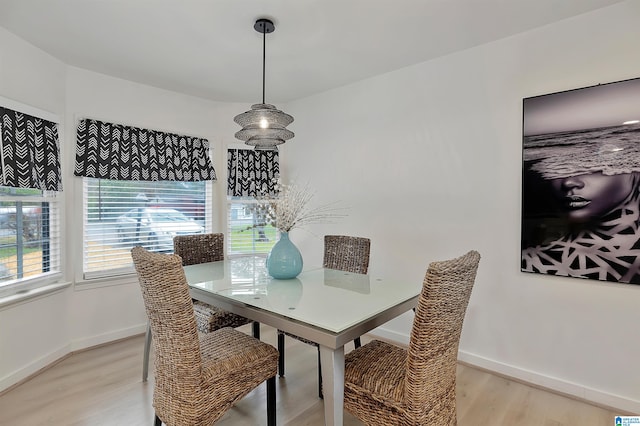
591 196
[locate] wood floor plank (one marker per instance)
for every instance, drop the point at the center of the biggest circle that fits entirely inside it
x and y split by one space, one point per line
103 386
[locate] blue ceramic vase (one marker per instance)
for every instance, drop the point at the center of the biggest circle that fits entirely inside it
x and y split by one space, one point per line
284 261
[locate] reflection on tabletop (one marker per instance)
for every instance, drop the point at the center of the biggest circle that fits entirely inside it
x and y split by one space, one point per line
347 281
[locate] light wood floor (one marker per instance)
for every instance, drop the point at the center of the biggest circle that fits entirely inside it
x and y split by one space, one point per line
103 386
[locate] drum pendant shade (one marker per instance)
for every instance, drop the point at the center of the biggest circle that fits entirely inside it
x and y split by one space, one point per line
264 126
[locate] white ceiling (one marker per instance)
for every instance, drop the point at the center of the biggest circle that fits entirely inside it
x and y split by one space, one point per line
208 48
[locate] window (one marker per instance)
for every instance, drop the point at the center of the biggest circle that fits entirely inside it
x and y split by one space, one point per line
140 187
29 235
30 198
249 173
245 236
119 215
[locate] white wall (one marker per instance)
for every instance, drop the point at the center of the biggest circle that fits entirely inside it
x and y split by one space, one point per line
31 334
429 159
37 332
30 76
103 312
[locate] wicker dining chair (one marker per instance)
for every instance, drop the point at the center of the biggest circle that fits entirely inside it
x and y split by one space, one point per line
194 249
389 385
202 248
197 377
343 253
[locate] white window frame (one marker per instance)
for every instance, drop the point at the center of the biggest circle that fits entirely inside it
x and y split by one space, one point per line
19 289
271 233
23 285
127 273
247 201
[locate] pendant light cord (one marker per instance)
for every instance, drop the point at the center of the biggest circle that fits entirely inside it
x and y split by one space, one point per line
264 57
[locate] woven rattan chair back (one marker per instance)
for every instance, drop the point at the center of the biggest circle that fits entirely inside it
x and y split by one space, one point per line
387 385
343 253
346 253
197 378
170 311
194 249
202 248
199 248
433 346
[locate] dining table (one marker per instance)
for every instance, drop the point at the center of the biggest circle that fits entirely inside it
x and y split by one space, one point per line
327 306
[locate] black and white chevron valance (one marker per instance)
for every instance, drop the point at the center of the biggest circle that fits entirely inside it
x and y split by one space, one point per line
114 151
29 152
251 173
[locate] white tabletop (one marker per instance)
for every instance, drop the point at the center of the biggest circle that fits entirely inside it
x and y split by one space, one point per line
325 298
323 305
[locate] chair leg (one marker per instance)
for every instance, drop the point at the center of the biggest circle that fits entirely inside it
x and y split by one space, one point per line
157 421
271 401
255 326
320 395
147 348
281 353
357 343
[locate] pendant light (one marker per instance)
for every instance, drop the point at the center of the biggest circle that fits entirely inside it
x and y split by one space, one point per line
264 126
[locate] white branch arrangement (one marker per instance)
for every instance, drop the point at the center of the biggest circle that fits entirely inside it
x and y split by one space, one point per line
290 208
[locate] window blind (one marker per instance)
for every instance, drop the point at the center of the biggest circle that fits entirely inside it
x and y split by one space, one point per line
30 179
249 173
140 187
119 215
29 235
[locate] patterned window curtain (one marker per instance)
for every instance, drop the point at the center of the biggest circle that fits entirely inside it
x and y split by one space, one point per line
29 152
114 151
252 173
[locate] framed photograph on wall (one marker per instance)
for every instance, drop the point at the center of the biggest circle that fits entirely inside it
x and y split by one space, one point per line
581 183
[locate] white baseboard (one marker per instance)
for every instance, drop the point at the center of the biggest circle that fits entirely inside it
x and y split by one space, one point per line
100 339
33 367
52 357
594 396
393 336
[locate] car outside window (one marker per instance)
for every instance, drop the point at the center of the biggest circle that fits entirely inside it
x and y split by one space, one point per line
119 215
29 235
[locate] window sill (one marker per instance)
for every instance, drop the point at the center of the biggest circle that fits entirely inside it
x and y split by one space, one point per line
88 284
23 295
